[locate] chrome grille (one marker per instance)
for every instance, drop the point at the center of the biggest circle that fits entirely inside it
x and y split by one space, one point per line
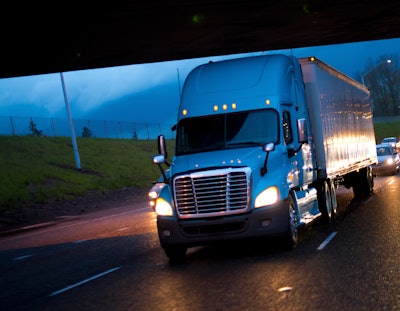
209 193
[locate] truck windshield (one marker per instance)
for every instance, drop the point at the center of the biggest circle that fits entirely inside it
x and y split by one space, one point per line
225 131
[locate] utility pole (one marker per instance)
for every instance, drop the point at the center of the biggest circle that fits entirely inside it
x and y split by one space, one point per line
71 124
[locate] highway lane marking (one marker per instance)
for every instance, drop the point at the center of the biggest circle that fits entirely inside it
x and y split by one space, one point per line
327 240
123 229
285 289
22 257
84 281
79 241
367 200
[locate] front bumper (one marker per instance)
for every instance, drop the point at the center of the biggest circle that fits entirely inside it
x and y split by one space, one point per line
384 169
265 221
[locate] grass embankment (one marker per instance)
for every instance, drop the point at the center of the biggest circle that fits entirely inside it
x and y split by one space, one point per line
386 129
37 169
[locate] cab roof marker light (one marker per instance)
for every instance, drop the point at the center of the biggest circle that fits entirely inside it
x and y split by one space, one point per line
233 105
312 58
184 112
215 108
268 102
224 106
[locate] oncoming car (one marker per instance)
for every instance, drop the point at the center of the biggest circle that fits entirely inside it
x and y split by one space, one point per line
388 160
394 142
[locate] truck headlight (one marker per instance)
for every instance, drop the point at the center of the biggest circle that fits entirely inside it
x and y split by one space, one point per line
154 193
163 208
389 161
267 197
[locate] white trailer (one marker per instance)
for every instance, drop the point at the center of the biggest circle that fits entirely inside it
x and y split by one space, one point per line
341 120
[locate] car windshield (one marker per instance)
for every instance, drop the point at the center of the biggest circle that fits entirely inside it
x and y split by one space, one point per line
224 131
389 140
383 151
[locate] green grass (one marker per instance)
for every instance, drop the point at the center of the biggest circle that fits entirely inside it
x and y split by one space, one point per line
37 169
386 129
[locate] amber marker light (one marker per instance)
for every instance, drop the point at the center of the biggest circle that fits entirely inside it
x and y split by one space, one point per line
184 112
312 58
224 106
268 102
215 108
233 105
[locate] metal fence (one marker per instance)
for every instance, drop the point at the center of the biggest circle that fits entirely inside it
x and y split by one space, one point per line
18 126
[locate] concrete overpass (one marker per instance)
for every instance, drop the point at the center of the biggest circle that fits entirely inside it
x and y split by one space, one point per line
46 37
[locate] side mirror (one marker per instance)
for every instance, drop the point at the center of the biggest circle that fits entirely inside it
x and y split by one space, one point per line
162 147
158 159
268 147
302 131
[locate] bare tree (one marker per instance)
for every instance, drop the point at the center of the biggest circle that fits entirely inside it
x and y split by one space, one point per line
382 77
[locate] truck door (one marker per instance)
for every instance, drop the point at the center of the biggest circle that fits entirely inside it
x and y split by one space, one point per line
301 161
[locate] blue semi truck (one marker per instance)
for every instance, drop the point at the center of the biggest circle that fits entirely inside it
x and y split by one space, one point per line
262 144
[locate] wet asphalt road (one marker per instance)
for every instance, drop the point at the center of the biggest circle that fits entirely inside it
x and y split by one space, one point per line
112 260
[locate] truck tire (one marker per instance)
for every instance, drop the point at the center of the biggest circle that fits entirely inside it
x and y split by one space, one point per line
333 199
370 180
363 182
292 236
325 200
175 253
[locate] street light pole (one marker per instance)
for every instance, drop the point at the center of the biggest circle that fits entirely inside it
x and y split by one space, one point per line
388 61
73 137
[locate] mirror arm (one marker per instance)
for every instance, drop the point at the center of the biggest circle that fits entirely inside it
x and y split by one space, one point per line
163 173
264 169
292 152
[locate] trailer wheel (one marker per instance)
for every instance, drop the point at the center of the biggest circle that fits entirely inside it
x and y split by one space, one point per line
370 178
175 253
363 182
333 199
291 237
325 200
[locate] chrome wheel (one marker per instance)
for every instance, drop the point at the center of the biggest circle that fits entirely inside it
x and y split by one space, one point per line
292 233
333 199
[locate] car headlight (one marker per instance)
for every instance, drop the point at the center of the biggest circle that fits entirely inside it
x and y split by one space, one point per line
163 208
389 161
267 197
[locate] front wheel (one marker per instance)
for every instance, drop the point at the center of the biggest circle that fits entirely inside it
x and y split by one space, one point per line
292 236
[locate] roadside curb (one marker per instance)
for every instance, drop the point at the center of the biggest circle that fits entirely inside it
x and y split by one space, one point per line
8 228
15 229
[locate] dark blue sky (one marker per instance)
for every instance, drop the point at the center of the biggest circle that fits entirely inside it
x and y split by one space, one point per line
149 92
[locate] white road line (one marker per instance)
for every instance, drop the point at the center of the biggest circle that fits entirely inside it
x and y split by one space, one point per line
22 257
367 200
79 241
122 229
327 240
84 281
